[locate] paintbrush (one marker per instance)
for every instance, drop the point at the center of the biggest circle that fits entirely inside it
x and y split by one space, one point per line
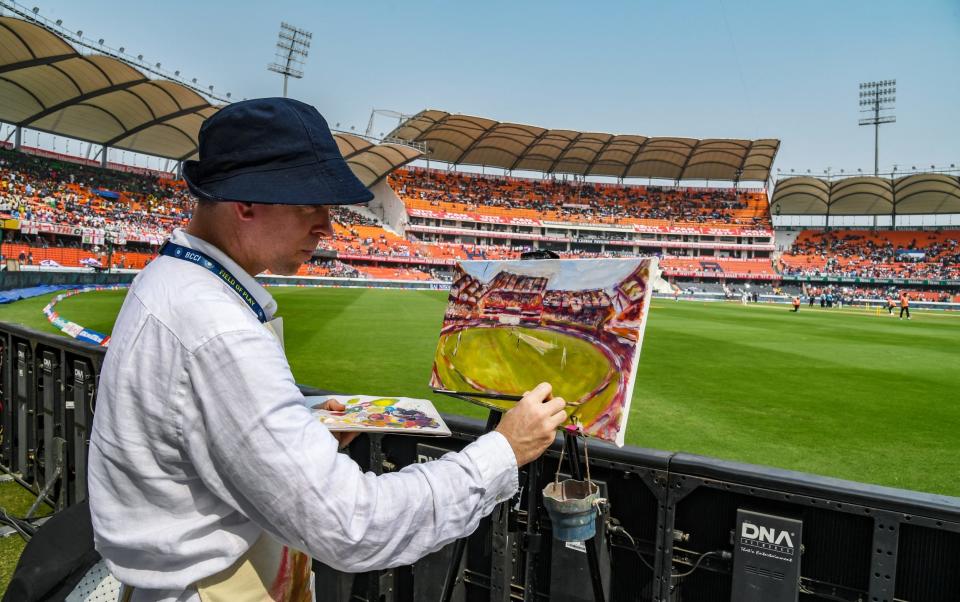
502 396
478 395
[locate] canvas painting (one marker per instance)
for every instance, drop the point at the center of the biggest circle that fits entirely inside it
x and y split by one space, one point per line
575 323
380 414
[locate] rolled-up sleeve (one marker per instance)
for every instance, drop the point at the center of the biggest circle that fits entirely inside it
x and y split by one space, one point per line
259 449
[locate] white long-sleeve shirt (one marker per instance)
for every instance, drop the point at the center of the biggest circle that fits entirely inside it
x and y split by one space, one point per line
201 442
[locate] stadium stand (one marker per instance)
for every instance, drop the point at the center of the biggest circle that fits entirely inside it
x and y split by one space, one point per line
581 202
875 254
39 190
65 212
761 269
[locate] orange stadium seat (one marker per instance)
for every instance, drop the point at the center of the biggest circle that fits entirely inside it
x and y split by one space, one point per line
433 190
875 254
82 200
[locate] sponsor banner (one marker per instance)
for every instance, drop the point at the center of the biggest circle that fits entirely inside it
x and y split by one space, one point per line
857 280
704 231
32 227
72 328
718 275
621 243
483 233
91 235
495 219
91 336
489 219
395 259
911 255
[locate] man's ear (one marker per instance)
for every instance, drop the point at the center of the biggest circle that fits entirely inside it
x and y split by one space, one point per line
244 211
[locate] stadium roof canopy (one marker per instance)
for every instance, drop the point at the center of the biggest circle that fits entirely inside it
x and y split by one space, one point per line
372 162
46 85
924 193
466 140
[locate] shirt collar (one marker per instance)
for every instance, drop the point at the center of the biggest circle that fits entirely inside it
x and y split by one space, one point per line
259 293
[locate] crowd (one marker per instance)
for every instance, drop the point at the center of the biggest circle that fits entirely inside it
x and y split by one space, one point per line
581 201
348 217
838 295
36 189
42 190
329 267
874 254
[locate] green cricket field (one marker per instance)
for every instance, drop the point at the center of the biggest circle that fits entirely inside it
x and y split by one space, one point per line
843 393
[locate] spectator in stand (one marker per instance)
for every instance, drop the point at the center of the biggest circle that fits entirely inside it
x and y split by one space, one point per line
583 201
875 254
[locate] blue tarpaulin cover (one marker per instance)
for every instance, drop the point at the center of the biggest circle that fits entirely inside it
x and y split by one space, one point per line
34 291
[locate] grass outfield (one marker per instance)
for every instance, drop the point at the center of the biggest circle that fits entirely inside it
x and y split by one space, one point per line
842 393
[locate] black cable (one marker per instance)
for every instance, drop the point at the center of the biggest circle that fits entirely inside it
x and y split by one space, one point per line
21 526
696 564
613 526
806 590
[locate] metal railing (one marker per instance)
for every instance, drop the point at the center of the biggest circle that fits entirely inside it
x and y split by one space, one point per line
668 534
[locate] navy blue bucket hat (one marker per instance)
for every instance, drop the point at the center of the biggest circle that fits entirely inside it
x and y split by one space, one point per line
271 150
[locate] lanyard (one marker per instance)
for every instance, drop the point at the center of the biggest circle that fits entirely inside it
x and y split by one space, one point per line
171 249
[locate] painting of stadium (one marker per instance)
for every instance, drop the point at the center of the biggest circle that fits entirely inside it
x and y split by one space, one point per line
575 323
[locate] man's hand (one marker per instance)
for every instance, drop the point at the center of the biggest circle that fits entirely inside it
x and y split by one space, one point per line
333 405
530 426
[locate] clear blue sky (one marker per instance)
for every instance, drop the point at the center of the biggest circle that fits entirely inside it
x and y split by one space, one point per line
711 68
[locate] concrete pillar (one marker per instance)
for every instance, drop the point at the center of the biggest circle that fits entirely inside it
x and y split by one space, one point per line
103 158
18 138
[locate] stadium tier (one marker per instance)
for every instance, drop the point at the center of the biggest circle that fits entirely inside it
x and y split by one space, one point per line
428 192
64 198
911 254
58 213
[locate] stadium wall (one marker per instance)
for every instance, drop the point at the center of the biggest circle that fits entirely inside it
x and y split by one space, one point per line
788 299
668 535
388 207
10 280
784 239
27 279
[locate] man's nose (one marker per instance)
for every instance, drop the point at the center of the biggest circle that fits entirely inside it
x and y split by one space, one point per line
322 222
323 227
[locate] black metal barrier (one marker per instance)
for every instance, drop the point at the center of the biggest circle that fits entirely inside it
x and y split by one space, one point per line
676 529
859 542
47 391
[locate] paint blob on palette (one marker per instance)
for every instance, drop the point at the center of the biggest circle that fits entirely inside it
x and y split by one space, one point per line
368 413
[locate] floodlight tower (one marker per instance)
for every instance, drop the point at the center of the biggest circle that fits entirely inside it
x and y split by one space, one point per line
292 49
875 97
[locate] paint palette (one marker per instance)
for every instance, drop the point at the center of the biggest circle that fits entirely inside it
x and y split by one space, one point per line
367 413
